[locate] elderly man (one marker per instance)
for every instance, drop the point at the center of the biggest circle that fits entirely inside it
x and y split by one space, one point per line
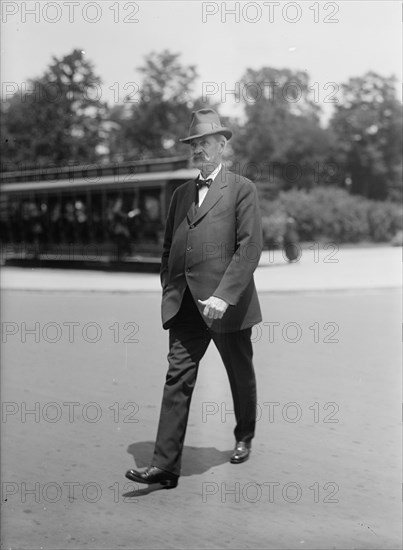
212 246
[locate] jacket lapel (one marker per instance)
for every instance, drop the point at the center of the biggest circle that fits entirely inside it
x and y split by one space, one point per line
214 194
190 199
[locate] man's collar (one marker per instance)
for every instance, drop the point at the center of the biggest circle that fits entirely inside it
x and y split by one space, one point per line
213 174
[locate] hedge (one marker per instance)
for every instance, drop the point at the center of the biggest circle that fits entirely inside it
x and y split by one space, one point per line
330 214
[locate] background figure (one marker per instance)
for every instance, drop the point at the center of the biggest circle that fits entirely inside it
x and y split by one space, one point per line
82 221
120 231
291 241
69 224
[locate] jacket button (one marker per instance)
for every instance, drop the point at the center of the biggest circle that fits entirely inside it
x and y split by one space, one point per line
189 248
191 226
188 270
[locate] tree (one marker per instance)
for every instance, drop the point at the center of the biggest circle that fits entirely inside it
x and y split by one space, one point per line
282 135
61 120
152 125
368 125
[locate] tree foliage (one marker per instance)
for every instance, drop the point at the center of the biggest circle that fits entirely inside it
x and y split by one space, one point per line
368 126
60 120
280 142
282 133
152 125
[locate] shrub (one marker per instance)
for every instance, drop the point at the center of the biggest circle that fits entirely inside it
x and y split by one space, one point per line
298 205
330 213
274 226
384 220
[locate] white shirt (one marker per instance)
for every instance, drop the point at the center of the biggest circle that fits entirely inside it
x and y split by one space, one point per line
204 190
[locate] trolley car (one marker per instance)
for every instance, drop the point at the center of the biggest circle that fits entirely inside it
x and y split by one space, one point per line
89 215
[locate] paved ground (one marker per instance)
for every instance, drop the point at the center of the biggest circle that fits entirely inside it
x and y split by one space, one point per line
317 269
325 469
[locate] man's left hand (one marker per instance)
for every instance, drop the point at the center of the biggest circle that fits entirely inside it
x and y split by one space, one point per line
214 307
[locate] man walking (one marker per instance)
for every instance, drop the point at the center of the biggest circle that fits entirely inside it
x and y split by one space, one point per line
212 246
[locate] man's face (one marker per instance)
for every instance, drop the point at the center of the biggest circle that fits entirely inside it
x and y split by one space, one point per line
207 152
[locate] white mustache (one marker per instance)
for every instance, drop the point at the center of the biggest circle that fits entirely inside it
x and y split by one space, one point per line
206 157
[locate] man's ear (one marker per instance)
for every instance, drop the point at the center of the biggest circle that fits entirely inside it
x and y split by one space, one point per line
223 143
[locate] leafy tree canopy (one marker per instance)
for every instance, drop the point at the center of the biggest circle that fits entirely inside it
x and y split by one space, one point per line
61 119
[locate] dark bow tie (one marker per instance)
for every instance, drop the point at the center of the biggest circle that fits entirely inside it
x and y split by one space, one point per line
201 183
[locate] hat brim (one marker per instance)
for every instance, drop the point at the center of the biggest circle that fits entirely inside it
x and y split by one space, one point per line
223 131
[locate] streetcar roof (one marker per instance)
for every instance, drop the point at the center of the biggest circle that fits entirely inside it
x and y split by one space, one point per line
124 180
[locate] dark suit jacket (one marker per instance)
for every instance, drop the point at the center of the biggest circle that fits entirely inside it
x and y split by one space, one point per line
214 249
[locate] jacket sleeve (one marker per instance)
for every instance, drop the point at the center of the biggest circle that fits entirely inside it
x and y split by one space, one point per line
167 241
249 245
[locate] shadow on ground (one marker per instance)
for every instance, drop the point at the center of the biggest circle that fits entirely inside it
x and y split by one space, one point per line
195 461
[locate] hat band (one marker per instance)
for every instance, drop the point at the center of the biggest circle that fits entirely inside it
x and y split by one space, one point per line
204 128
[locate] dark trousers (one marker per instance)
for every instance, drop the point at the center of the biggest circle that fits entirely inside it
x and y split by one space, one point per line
189 338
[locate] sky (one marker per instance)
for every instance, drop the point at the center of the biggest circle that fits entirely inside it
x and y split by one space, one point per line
332 41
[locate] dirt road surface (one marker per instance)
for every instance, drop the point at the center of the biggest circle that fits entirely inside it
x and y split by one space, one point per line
82 377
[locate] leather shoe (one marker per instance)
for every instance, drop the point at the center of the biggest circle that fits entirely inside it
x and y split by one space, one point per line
153 475
241 452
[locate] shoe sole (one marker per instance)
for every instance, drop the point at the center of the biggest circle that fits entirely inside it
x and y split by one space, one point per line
167 484
239 461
